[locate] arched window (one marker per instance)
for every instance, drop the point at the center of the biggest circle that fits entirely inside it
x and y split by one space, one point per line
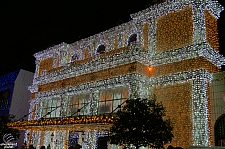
101 49
220 131
132 39
75 57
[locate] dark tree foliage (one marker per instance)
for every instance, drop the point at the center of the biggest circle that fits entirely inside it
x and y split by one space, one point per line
4 129
141 122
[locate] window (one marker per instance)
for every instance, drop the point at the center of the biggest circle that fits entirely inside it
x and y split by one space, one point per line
50 108
110 99
220 131
78 105
73 106
132 39
101 49
4 99
105 102
4 102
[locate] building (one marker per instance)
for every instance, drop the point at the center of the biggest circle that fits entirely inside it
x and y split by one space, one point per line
14 95
170 49
217 104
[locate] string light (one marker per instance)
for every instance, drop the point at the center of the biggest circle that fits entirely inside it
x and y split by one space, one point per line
98 119
175 30
174 57
211 30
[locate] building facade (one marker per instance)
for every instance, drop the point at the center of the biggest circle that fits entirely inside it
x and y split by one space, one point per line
170 49
217 96
15 96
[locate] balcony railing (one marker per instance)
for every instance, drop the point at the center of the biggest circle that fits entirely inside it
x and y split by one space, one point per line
76 123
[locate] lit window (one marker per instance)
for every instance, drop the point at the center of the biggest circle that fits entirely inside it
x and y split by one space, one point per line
110 100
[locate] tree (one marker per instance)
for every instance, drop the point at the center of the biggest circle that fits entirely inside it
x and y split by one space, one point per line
4 129
141 122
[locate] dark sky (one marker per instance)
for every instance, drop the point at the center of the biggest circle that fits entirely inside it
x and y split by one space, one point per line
27 27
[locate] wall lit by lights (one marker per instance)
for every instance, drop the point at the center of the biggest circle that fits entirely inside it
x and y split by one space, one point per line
174 54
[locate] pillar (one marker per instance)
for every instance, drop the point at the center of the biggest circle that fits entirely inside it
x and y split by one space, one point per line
200 128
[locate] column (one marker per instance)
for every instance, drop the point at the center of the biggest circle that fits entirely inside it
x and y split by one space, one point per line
42 138
32 110
94 96
64 102
66 138
152 36
199 22
91 139
137 88
36 74
29 137
200 130
111 43
80 138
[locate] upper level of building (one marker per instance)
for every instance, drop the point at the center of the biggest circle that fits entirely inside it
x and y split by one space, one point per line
165 33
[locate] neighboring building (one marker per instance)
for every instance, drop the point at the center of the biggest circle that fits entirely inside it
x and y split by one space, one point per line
217 104
169 49
15 96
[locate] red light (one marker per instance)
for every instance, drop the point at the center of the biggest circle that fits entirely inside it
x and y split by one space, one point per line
150 68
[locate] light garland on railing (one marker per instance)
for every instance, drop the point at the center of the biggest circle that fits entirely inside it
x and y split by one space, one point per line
102 119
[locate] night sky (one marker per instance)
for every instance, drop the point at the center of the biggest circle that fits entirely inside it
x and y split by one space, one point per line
27 27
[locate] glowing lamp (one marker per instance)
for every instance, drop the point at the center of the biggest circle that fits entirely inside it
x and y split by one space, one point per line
150 69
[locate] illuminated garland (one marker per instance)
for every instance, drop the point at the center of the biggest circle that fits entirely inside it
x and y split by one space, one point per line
200 133
101 119
172 5
180 77
187 53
